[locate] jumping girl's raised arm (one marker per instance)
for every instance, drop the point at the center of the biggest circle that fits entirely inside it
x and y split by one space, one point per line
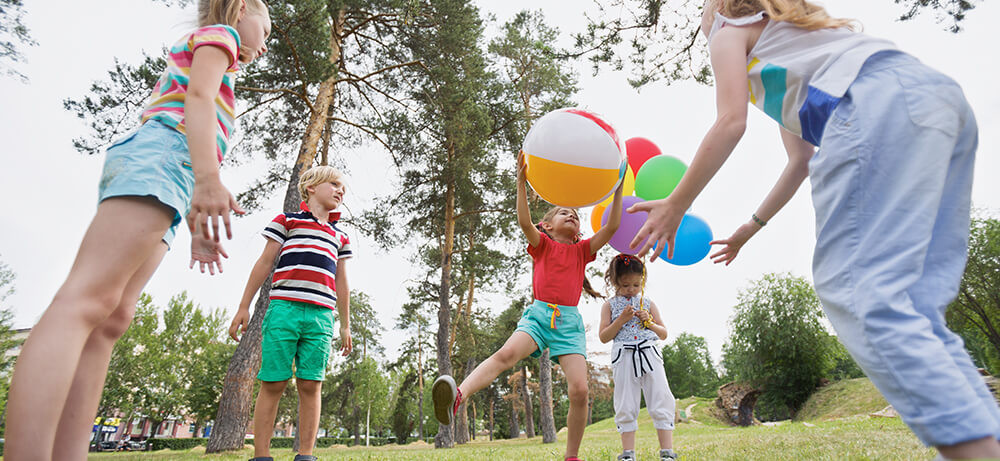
604 234
728 50
210 199
523 211
796 171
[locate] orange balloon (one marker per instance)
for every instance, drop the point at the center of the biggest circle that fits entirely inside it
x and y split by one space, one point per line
595 217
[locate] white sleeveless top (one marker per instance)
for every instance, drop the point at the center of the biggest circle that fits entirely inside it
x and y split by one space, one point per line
798 76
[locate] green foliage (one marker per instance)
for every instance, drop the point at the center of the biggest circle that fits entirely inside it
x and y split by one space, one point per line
950 11
176 444
778 343
844 366
167 366
7 338
975 313
13 34
358 383
657 40
662 40
689 367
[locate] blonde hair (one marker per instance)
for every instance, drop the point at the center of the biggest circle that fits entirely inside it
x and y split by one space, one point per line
317 175
799 12
227 12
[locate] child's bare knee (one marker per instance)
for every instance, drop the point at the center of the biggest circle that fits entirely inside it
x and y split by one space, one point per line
578 392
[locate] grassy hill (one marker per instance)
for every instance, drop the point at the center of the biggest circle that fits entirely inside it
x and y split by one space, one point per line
841 399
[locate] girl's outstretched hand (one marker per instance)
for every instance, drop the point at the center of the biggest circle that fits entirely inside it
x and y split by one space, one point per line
206 252
210 201
660 227
522 168
733 244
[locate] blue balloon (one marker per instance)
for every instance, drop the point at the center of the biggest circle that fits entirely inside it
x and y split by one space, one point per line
691 243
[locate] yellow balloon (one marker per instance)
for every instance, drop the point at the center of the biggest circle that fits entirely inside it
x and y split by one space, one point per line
629 180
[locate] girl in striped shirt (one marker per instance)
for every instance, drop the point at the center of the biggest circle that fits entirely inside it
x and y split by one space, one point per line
166 170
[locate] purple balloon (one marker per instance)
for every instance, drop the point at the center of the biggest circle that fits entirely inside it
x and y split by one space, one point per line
630 225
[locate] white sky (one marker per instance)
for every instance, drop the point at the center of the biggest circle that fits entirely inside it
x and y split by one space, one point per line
48 191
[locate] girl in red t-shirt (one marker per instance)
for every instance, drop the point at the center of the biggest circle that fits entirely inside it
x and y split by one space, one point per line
552 320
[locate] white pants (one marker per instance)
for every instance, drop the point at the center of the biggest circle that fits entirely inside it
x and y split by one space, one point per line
637 370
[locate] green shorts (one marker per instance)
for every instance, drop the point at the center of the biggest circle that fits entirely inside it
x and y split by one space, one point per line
559 328
295 333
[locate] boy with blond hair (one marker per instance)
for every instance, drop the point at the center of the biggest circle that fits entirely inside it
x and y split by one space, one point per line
309 282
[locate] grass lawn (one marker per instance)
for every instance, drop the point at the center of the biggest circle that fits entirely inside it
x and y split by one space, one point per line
857 437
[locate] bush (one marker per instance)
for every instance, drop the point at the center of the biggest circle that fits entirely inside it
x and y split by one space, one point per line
175 444
323 442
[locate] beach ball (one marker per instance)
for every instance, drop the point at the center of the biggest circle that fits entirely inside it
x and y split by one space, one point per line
574 158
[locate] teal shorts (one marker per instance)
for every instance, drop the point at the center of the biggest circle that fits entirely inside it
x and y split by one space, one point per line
295 333
152 161
559 328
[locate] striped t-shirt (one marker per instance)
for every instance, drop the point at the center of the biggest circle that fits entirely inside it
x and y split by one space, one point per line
798 76
307 263
167 102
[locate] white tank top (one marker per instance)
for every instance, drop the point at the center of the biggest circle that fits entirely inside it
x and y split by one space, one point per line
798 76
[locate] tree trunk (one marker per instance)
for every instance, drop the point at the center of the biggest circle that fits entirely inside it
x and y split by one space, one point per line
515 428
444 437
472 432
462 434
297 442
491 419
368 425
590 410
547 422
420 381
462 423
236 401
357 426
529 412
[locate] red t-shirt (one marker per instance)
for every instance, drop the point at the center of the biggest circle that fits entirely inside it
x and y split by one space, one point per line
559 270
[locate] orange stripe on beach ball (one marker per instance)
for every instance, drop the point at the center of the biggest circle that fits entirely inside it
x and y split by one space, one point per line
569 185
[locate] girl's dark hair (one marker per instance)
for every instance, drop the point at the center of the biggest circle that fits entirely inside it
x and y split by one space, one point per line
587 287
623 264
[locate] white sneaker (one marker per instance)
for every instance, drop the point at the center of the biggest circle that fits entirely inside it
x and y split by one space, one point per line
444 392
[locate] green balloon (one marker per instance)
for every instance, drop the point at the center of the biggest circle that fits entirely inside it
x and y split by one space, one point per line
658 177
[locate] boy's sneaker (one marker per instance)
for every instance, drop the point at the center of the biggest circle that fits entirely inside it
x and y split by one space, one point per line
627 455
669 455
305 458
446 397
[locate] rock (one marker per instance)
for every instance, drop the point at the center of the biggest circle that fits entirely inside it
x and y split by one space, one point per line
737 400
887 412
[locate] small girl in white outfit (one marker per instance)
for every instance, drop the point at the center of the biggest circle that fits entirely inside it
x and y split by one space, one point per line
633 321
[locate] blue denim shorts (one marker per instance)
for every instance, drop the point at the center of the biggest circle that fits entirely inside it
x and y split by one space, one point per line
152 161
559 328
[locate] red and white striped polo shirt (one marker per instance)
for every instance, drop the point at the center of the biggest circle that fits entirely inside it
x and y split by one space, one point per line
307 263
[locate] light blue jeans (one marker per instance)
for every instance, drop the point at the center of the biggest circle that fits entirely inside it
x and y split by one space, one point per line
891 186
